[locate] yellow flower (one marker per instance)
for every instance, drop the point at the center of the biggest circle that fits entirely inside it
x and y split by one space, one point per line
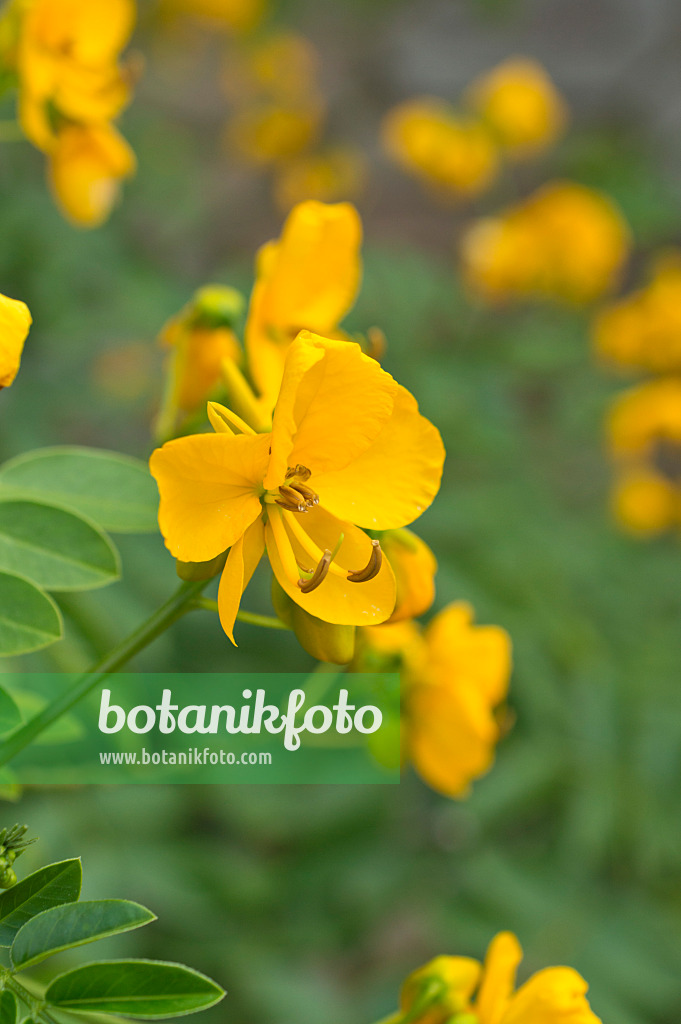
269 132
233 15
460 990
414 566
201 336
643 330
15 321
454 675
645 440
428 139
565 242
308 278
86 167
283 67
520 104
67 63
336 173
348 448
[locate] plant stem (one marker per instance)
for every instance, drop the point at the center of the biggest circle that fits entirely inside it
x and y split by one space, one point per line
268 621
181 602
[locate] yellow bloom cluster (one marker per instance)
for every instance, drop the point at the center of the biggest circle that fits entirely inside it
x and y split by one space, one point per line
15 321
642 332
232 15
454 676
278 116
513 111
566 242
278 472
71 88
461 990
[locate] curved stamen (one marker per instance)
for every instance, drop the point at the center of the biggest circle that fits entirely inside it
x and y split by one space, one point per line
292 500
310 496
372 568
318 575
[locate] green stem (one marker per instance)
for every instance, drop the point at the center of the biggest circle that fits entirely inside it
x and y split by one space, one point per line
181 602
10 131
268 621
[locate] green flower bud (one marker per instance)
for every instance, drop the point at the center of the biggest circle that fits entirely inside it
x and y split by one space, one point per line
8 879
325 641
217 306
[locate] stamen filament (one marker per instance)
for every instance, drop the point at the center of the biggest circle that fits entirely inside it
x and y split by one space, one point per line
309 546
283 543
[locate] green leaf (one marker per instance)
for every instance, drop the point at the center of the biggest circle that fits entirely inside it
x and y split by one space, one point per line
54 548
51 886
10 716
114 491
75 924
149 989
8 1007
29 619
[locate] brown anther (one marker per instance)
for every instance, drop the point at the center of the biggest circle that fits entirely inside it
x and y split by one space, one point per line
372 568
301 471
318 576
291 500
308 494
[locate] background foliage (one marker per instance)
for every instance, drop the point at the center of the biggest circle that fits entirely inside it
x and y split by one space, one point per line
308 901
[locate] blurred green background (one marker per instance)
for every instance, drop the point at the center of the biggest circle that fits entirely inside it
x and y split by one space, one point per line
312 903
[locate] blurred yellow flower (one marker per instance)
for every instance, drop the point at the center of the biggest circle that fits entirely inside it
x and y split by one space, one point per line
520 104
15 321
305 488
454 676
644 430
282 66
454 154
308 278
414 566
270 132
461 990
86 166
565 242
328 176
643 330
200 337
70 89
67 63
234 15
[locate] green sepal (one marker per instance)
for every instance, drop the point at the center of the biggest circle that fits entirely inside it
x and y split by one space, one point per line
325 641
191 571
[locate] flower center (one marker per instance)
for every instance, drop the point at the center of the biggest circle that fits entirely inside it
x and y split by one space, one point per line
295 497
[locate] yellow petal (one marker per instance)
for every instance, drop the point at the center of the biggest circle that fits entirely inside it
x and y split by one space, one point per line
15 321
552 995
481 655
336 599
498 979
209 486
414 566
450 735
196 363
333 403
395 478
308 279
86 168
241 563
